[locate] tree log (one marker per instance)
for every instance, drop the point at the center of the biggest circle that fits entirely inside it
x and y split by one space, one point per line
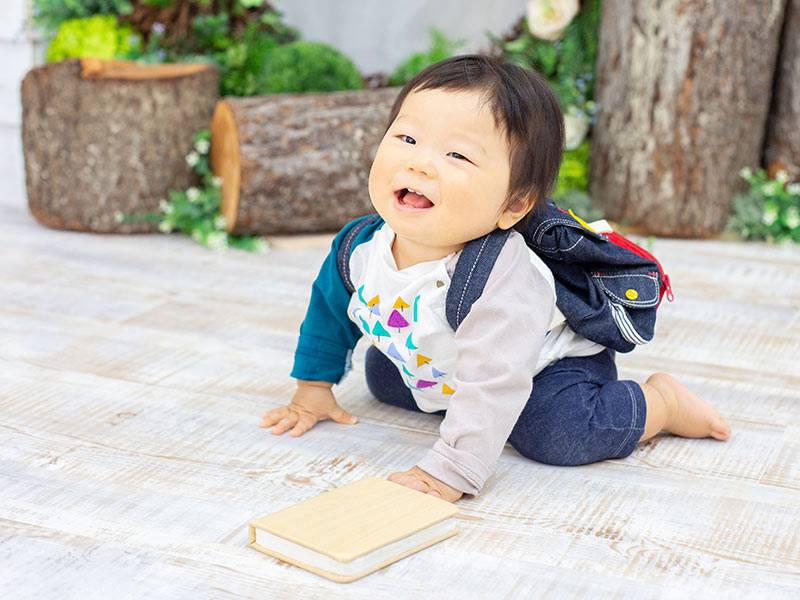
102 137
783 134
684 90
297 162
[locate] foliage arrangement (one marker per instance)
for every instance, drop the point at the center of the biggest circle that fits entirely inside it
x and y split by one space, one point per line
441 48
558 39
50 14
308 67
769 210
196 211
99 36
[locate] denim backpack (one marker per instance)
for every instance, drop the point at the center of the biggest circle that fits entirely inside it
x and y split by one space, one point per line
607 287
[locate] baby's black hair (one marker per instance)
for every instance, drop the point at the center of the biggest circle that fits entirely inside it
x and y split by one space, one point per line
523 107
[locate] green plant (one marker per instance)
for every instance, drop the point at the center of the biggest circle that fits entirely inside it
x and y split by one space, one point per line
568 64
574 172
99 36
196 211
769 210
441 48
50 14
308 67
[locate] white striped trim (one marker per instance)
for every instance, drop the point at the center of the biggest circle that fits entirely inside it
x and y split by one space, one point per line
625 325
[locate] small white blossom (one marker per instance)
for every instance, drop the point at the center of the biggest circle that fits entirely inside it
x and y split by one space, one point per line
202 146
576 126
165 227
119 217
192 194
547 19
793 189
165 207
772 188
158 28
220 222
769 217
793 217
216 181
217 240
746 173
192 158
782 176
262 245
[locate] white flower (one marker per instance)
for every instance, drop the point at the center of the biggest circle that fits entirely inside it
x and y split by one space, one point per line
216 181
793 217
202 146
772 188
217 240
158 28
793 189
119 217
192 158
746 173
220 222
165 227
165 207
262 245
782 176
576 126
192 194
769 217
547 19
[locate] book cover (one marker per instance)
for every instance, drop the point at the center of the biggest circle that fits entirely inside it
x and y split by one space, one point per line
349 532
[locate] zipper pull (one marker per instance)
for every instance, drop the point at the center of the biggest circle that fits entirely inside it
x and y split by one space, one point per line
668 287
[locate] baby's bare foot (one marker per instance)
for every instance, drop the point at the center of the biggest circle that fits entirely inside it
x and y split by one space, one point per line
688 415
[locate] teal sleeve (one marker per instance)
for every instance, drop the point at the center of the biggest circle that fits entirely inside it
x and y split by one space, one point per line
327 335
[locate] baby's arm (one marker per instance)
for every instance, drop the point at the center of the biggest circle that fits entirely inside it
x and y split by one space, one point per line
497 351
312 402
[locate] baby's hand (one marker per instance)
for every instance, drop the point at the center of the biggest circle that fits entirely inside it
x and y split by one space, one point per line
419 480
312 402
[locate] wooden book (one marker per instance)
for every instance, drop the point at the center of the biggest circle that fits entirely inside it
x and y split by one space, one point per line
349 532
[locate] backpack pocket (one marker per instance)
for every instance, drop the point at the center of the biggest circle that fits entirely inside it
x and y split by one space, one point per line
631 289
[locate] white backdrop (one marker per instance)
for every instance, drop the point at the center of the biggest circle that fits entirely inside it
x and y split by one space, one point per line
377 35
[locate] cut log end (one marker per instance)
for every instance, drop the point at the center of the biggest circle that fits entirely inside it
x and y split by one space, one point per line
95 68
225 159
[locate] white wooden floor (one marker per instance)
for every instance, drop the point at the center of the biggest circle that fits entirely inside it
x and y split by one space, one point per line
133 371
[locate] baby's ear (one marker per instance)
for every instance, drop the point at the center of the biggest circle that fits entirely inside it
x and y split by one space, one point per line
515 211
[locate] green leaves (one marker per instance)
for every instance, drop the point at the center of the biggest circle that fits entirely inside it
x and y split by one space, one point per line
196 211
769 210
441 48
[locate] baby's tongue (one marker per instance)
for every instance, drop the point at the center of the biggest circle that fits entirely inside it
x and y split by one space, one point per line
417 200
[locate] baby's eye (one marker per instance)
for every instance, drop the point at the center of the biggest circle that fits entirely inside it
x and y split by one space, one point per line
459 156
407 139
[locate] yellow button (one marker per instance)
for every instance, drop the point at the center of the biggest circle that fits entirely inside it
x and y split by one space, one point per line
631 294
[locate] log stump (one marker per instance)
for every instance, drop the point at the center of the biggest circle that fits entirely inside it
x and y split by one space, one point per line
295 163
102 137
782 151
684 90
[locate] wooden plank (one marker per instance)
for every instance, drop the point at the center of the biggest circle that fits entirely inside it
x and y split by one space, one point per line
134 369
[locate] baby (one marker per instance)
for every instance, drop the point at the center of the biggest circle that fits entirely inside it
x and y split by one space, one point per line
472 145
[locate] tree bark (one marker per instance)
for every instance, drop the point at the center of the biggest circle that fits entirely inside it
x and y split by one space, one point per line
297 162
102 137
782 150
684 89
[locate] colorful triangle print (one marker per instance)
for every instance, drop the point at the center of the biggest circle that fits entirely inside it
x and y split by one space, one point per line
401 304
422 384
392 351
446 389
379 330
437 372
397 320
422 360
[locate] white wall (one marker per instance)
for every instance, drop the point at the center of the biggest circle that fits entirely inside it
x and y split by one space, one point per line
19 51
378 34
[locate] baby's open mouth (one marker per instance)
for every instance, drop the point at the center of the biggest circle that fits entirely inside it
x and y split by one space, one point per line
412 198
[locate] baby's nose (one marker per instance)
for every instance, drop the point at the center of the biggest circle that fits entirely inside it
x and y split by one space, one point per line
423 166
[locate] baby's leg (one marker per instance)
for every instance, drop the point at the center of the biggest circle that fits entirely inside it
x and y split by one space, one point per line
673 408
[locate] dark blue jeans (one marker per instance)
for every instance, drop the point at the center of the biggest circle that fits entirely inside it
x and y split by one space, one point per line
578 411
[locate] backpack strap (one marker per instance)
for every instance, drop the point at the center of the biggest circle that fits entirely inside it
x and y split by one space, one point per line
471 273
346 249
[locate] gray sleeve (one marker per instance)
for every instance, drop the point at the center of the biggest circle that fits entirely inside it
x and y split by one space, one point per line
497 348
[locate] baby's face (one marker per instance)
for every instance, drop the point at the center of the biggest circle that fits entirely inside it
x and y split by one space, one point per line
440 176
